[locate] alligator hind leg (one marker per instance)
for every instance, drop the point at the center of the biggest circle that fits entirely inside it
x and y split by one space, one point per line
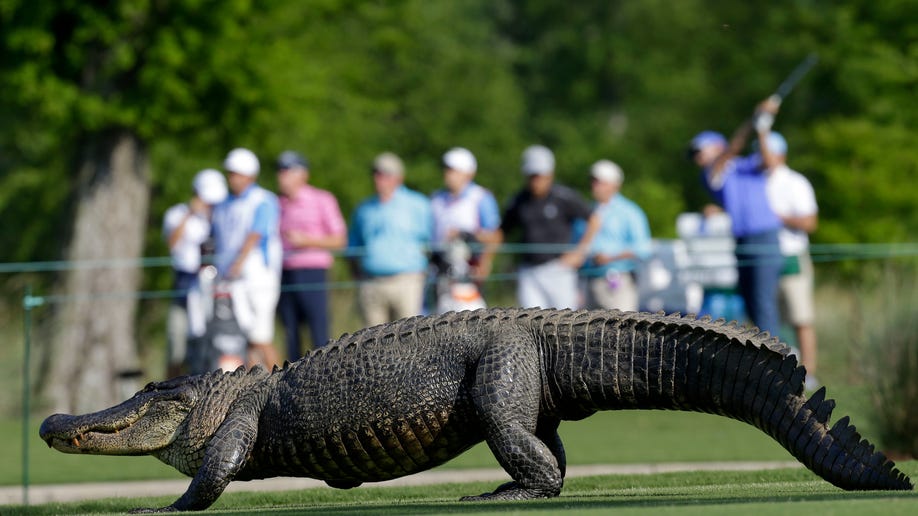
547 431
506 394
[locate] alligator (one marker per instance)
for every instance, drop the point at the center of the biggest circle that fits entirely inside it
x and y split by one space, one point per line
403 397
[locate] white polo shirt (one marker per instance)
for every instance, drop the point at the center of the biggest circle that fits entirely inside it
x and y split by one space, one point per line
186 254
790 194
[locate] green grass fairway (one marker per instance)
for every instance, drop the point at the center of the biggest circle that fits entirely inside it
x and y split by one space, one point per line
778 492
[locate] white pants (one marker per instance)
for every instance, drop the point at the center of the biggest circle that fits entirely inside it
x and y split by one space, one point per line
255 299
614 291
548 285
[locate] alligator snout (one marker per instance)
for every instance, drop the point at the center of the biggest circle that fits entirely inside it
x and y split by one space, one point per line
53 426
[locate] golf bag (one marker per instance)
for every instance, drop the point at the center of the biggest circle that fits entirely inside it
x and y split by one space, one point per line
455 289
222 344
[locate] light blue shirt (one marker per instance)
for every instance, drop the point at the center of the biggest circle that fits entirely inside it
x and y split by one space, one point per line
255 210
623 227
392 237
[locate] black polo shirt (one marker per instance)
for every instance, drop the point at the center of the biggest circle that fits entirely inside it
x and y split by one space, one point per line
547 220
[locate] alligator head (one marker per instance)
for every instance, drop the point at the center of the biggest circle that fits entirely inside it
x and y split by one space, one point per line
171 420
144 424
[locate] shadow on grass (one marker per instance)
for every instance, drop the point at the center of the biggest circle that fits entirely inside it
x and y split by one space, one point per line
598 502
780 491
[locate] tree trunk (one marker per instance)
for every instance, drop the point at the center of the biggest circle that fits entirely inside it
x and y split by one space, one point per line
94 351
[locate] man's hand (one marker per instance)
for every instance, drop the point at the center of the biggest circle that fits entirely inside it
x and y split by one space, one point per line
573 259
235 270
769 105
298 238
199 207
765 114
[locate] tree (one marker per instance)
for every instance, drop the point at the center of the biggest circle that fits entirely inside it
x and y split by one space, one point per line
126 100
95 81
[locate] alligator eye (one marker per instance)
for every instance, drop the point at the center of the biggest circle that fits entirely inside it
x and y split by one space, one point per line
149 387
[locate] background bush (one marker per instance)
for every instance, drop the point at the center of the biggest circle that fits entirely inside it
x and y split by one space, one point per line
890 341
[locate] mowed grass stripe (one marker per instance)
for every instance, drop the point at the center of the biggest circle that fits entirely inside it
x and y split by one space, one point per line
781 491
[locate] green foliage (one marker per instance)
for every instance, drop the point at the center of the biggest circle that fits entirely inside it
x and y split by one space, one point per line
75 69
342 81
890 346
863 177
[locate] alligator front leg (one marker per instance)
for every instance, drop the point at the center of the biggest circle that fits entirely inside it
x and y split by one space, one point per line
225 456
506 395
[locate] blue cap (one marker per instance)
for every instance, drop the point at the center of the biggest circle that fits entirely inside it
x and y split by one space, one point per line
291 159
776 144
705 138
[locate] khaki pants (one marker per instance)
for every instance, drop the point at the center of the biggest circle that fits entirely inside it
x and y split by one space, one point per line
387 298
796 294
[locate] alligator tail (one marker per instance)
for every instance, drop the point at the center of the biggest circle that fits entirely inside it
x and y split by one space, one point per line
651 361
753 377
837 454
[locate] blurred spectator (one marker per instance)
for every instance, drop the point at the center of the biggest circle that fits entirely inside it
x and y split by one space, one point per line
739 185
465 207
792 197
390 233
622 241
466 217
186 227
248 251
311 225
543 214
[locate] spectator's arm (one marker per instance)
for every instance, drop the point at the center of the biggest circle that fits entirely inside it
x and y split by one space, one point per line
577 256
764 116
176 234
807 223
733 149
251 240
302 240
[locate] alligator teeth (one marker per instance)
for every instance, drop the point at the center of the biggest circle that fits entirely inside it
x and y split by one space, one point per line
76 442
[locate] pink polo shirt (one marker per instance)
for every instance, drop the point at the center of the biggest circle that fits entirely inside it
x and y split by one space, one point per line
316 213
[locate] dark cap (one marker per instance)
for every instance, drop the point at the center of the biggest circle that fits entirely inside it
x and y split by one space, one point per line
291 159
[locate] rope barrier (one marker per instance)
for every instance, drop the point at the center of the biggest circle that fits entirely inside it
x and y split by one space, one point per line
835 252
822 253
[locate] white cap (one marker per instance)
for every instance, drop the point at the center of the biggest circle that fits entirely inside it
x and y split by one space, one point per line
210 186
607 172
538 160
242 161
460 159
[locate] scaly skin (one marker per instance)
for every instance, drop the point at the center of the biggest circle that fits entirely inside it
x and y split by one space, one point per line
404 397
